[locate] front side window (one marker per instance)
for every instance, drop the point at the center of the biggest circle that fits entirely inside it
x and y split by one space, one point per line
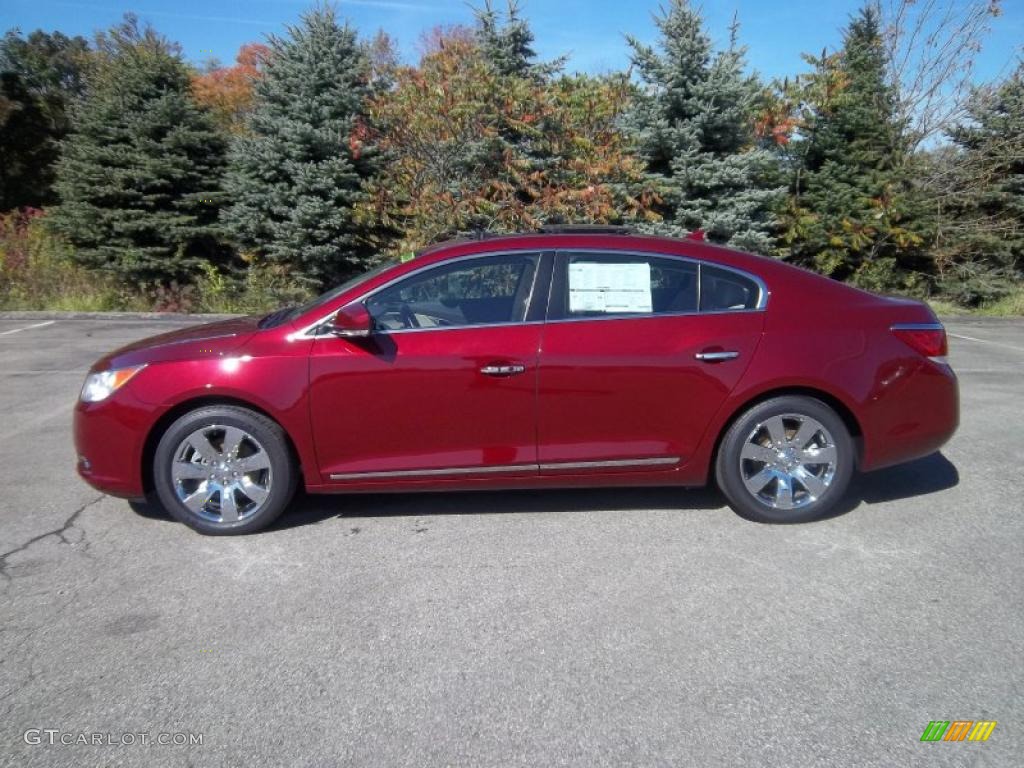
473 291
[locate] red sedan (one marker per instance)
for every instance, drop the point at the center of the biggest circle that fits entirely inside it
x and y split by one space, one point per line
530 361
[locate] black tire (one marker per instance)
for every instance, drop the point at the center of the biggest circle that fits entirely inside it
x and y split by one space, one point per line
729 468
269 437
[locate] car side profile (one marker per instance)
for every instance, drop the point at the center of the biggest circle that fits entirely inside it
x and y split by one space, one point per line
555 359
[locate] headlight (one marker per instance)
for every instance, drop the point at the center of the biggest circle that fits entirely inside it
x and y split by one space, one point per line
100 386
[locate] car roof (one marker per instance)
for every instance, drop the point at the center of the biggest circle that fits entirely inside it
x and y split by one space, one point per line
624 240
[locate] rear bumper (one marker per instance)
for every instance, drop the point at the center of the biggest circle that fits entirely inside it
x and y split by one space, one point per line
913 410
109 442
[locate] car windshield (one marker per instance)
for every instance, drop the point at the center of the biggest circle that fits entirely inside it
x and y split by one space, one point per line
286 314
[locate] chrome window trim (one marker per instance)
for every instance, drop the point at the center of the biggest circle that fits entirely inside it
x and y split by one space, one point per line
508 468
308 331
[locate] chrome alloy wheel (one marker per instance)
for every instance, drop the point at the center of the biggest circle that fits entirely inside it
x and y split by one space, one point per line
221 473
788 461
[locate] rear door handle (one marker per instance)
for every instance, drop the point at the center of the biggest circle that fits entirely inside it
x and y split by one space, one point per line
503 369
717 357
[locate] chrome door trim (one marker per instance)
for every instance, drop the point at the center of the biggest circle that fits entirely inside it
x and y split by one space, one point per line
656 461
434 472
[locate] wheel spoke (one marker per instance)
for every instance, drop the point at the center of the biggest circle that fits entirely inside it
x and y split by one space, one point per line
187 470
228 506
756 452
253 463
756 483
255 492
776 430
784 491
814 484
826 455
808 429
196 500
233 438
201 444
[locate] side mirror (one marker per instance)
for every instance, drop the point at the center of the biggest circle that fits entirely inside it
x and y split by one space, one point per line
352 321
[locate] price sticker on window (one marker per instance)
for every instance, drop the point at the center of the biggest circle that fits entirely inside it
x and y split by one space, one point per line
609 288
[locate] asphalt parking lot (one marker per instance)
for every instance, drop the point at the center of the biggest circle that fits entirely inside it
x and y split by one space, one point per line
578 628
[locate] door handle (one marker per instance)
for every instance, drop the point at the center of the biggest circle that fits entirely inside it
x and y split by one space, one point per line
503 369
717 357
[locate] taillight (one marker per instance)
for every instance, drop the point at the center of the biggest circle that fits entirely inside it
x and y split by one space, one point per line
928 339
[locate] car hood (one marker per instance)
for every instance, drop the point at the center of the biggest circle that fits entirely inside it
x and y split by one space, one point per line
207 340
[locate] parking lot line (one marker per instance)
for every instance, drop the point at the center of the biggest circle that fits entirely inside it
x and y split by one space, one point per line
27 327
985 341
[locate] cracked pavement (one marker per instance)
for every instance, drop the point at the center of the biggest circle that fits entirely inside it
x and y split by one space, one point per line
573 628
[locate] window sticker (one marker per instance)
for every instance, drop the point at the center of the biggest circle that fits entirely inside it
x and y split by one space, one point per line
612 288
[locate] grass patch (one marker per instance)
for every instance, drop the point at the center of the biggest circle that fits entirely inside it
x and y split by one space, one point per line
1011 305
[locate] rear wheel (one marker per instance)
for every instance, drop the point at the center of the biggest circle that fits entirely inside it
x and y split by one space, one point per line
786 460
224 470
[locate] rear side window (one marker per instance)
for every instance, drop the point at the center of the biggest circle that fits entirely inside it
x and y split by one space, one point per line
722 290
472 291
599 284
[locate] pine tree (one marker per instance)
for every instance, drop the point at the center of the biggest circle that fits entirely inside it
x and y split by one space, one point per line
139 179
506 43
295 173
854 213
694 126
982 251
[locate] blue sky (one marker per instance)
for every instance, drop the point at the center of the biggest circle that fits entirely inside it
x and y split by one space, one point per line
589 31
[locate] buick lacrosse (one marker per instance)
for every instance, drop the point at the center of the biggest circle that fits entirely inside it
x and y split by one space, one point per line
562 358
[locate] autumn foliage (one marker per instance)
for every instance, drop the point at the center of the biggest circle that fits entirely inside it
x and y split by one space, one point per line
227 91
469 147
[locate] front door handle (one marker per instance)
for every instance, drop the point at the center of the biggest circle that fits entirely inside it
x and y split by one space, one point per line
503 369
717 357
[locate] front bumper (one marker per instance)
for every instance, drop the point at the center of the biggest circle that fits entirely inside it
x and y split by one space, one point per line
109 440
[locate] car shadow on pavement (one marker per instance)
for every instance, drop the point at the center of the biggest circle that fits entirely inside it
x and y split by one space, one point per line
931 474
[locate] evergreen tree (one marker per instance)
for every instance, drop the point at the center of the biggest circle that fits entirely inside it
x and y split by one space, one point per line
39 76
981 247
140 172
506 43
854 213
694 126
27 146
296 172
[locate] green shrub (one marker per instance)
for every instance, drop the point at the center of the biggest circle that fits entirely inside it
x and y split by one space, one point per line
37 271
260 288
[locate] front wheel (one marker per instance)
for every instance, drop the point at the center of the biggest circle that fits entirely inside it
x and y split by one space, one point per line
786 460
224 470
